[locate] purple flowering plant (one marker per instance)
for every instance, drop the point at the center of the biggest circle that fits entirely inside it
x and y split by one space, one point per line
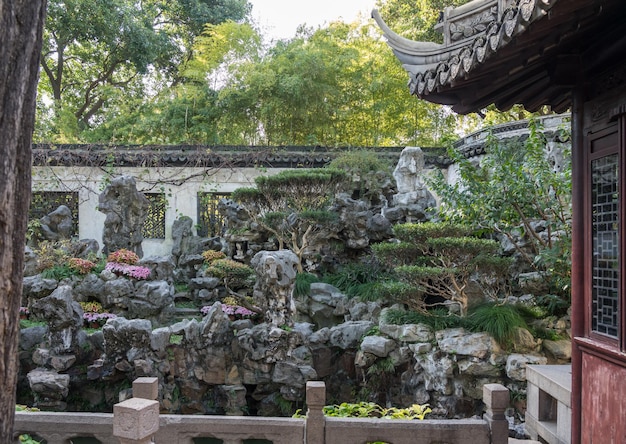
98 318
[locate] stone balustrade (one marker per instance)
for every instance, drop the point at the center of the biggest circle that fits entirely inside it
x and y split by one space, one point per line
136 421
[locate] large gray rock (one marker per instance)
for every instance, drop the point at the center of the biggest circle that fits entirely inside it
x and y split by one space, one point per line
126 210
348 335
378 346
273 291
64 317
326 305
35 287
460 342
408 333
516 365
48 384
437 370
152 299
57 225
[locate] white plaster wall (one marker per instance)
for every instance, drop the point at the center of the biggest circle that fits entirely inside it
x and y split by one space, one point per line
180 186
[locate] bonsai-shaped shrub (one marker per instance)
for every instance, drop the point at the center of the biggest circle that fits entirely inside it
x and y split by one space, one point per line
235 275
437 260
520 193
292 205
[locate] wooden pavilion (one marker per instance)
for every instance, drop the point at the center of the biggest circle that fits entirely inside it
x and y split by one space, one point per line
567 54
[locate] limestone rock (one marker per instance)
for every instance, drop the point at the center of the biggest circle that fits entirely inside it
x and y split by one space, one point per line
516 365
349 334
408 333
126 210
378 346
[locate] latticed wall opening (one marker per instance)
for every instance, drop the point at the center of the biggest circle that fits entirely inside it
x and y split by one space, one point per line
154 226
45 202
210 222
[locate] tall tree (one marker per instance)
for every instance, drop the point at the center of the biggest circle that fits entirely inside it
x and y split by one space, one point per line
98 52
21 23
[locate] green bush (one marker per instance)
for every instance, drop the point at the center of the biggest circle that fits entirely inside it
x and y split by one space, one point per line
419 233
235 274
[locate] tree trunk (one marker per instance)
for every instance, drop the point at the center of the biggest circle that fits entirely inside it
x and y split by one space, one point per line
21 23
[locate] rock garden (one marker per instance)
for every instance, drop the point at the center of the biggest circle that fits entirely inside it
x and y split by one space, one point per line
358 274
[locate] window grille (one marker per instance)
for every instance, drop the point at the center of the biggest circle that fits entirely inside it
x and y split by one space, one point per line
45 202
210 222
154 226
605 242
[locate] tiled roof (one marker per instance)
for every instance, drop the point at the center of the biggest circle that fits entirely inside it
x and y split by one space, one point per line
204 156
507 51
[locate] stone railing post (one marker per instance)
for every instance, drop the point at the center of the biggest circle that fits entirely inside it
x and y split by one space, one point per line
496 399
136 420
315 420
146 388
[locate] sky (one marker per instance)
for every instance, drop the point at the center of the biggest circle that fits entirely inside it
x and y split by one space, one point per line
279 19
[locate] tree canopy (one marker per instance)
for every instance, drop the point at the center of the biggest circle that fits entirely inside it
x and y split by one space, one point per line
199 72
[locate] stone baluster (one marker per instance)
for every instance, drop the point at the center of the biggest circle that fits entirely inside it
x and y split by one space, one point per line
136 420
496 399
315 420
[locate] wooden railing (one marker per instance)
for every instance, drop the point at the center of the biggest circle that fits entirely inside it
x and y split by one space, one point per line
137 421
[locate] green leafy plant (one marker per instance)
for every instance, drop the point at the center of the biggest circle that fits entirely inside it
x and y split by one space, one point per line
303 283
499 320
437 319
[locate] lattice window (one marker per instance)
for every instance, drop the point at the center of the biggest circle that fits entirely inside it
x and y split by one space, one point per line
605 245
154 226
45 202
210 221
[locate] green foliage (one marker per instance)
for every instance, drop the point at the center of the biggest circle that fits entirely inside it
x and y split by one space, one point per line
419 233
517 193
554 305
395 254
437 319
373 410
381 366
176 339
235 274
499 320
303 284
59 272
351 278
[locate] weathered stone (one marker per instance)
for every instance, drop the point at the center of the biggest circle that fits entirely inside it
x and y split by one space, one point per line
409 333
524 342
420 348
48 384
322 360
459 342
31 262
476 367
117 292
153 300
378 346
292 374
62 362
91 287
32 336
516 365
437 371
36 287
400 355
349 334
320 337
276 274
560 350
161 267
56 225
126 210
232 398
363 359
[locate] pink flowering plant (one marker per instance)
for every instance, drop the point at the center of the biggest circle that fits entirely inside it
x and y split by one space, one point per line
133 271
233 311
97 318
